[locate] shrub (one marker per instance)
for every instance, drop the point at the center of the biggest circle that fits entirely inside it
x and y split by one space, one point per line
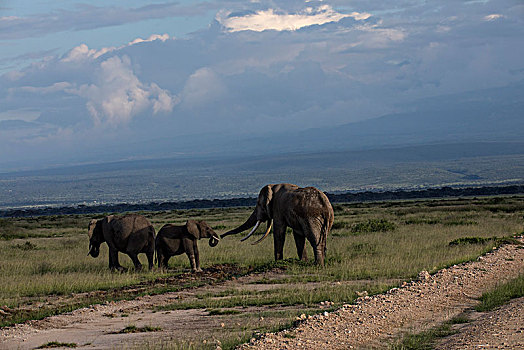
338 225
373 225
26 246
482 240
55 344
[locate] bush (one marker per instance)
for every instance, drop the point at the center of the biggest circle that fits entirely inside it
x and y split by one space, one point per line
373 225
481 240
338 225
26 246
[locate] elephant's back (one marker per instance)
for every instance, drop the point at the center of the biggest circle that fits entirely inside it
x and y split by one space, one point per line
170 231
131 222
312 202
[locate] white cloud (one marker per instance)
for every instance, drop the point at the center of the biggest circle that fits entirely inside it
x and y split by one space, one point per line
118 95
203 86
493 17
153 37
24 114
56 87
83 52
270 20
164 101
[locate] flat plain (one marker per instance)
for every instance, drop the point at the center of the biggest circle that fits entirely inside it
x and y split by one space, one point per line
242 292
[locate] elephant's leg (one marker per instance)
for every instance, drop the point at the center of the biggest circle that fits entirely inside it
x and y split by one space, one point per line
197 256
162 258
166 261
318 244
189 248
136 262
159 259
150 257
113 260
279 238
300 242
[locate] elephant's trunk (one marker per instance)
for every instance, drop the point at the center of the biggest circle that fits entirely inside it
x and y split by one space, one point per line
213 241
94 250
250 222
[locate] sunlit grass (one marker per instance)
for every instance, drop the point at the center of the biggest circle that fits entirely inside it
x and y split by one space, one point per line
502 294
394 242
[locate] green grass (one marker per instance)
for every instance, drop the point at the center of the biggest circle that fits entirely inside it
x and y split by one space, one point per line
55 344
214 312
373 225
373 246
484 240
135 329
426 340
502 294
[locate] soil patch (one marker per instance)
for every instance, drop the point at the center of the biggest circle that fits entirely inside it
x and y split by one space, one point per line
379 321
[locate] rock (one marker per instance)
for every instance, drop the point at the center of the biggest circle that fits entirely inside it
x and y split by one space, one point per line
423 275
364 293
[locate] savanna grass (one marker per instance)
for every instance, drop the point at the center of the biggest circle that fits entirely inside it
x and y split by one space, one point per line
501 294
426 340
413 236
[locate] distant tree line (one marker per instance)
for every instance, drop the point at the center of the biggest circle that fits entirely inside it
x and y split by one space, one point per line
441 192
347 197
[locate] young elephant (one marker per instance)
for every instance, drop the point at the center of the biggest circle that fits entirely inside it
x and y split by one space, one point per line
175 240
131 234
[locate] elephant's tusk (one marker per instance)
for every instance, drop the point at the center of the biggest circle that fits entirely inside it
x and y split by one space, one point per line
252 231
265 234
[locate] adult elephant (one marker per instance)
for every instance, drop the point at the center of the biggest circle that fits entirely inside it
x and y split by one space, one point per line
179 239
306 210
131 234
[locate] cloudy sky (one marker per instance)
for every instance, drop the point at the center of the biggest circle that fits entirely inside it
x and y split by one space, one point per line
77 77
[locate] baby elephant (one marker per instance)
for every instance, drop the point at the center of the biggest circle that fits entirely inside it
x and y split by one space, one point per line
175 240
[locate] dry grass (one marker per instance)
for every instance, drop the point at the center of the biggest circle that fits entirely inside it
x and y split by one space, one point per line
417 238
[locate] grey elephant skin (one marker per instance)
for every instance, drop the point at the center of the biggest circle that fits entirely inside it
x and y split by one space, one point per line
130 234
306 210
175 240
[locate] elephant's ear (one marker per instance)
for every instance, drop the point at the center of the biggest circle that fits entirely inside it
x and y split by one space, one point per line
269 197
192 228
91 227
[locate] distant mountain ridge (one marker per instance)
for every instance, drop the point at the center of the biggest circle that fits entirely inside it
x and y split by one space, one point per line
484 115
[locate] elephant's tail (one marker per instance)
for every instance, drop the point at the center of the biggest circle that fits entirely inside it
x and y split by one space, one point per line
156 254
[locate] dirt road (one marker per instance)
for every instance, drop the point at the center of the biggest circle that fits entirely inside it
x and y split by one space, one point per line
373 322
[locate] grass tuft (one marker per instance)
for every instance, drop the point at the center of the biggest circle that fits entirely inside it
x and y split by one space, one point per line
135 329
483 240
373 225
215 312
502 294
426 340
55 344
